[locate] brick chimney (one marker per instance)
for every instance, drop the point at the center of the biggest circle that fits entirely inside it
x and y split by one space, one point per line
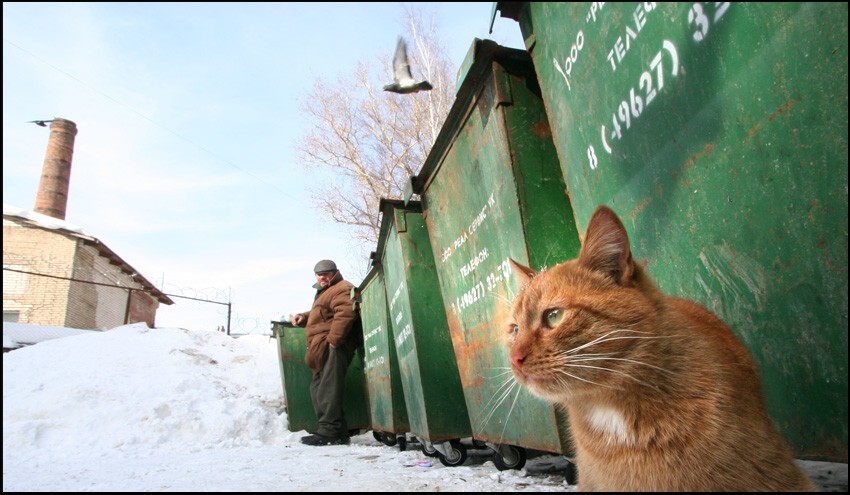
52 197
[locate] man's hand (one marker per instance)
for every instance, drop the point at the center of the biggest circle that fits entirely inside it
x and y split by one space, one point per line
297 320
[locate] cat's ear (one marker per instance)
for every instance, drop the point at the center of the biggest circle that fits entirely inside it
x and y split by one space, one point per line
522 274
606 246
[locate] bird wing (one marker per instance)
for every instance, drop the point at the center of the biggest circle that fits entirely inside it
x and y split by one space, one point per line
401 67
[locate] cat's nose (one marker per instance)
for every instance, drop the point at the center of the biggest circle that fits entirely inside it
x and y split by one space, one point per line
517 359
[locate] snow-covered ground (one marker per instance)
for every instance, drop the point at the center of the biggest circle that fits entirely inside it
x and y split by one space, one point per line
135 409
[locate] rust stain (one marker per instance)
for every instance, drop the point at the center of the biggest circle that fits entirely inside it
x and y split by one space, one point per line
475 360
755 130
782 109
542 130
690 163
639 208
836 268
461 348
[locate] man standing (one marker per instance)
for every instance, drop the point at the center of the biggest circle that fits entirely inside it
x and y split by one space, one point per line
331 344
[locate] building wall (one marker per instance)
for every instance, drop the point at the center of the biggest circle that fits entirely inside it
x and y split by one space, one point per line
143 307
101 307
40 300
96 306
43 300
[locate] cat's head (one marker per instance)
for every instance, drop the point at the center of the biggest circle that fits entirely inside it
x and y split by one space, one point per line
578 326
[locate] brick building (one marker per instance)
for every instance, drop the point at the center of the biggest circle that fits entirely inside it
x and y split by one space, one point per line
56 274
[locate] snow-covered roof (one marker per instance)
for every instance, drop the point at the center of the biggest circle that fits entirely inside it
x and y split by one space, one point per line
43 221
33 219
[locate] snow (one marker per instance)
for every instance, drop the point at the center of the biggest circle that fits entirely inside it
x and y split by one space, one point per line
19 334
44 221
168 409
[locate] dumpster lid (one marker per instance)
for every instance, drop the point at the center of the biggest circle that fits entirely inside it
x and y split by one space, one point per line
508 9
386 207
482 53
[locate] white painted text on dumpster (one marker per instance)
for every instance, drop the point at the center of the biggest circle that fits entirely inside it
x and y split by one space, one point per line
700 18
476 222
400 317
372 357
396 294
476 260
482 287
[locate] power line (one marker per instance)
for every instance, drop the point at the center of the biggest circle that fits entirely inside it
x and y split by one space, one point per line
125 287
131 109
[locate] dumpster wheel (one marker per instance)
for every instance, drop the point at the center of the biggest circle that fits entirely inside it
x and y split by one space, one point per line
456 456
509 457
388 439
429 449
402 443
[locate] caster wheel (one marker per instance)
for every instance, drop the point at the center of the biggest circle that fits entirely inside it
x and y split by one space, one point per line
509 457
455 457
388 439
429 450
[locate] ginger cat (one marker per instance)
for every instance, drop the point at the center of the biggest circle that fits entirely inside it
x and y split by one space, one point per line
661 395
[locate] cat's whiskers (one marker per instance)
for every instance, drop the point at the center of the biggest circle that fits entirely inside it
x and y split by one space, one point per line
601 357
505 426
502 392
503 373
502 298
548 255
565 383
603 338
566 354
611 370
596 340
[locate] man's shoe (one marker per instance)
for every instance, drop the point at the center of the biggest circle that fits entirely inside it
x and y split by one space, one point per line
319 440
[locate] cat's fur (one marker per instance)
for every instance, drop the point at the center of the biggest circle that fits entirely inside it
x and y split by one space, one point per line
660 393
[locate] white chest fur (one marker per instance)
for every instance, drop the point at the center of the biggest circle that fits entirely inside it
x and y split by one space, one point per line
610 423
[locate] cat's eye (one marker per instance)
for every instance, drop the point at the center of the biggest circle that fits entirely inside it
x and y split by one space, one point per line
513 329
553 317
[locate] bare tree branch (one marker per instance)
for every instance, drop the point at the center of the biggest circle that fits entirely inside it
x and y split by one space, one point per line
371 141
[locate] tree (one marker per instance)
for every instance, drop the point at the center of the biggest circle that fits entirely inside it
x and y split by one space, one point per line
371 141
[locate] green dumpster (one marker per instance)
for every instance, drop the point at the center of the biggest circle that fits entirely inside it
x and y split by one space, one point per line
718 131
429 373
386 396
296 377
493 190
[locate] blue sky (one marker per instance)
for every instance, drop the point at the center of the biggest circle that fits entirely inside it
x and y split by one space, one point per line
184 161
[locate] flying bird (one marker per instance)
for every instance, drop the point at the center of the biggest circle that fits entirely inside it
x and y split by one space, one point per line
42 123
403 81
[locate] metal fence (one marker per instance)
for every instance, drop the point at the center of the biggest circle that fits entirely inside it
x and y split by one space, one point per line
198 312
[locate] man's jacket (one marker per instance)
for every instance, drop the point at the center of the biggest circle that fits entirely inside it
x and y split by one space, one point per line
330 321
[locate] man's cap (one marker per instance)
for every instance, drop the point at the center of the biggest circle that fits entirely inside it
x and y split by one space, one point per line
325 266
